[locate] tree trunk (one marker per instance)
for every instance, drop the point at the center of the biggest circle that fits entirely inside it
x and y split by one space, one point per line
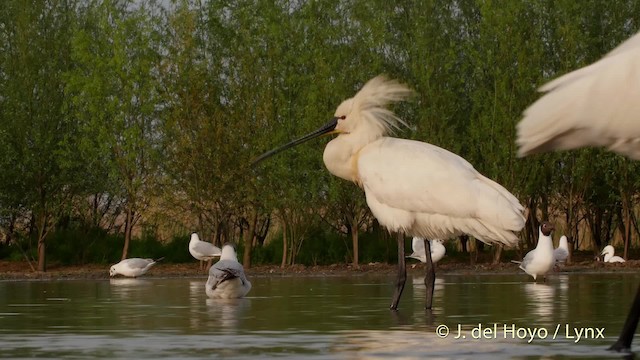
128 226
626 209
354 239
42 265
42 233
497 255
248 240
284 244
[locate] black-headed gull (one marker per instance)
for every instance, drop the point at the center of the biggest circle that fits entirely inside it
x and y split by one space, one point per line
539 261
203 250
226 277
437 250
561 253
132 267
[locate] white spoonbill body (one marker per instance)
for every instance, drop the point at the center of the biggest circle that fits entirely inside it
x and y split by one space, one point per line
132 267
608 252
437 250
412 187
596 105
203 250
539 261
561 253
226 277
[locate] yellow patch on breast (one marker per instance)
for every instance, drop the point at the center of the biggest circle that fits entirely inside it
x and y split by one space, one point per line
355 174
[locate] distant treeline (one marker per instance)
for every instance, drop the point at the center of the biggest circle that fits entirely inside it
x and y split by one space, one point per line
120 118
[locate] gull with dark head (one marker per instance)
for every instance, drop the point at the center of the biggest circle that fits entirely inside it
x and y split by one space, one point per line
539 261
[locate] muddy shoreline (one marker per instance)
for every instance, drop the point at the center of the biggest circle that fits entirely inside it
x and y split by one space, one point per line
17 270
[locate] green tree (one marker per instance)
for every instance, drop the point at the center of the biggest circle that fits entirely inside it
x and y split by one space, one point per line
33 126
113 90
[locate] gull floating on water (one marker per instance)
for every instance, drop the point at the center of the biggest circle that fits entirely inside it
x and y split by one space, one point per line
562 251
203 250
226 277
437 250
540 260
133 267
608 255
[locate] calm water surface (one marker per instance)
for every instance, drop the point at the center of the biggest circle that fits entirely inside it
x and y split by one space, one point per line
487 316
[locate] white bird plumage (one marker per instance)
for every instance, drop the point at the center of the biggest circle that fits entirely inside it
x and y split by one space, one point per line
132 267
539 261
412 187
203 250
227 279
596 105
561 253
608 252
437 250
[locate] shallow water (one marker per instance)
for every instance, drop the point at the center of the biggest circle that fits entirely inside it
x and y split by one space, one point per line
346 317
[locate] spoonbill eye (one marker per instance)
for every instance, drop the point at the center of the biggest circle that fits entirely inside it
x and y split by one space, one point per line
342 117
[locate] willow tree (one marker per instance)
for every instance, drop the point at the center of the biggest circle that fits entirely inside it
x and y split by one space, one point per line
113 90
33 125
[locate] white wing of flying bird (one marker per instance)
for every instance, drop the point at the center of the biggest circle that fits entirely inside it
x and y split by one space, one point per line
593 106
596 105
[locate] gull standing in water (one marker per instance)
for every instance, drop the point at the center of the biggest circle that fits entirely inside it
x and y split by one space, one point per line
561 253
412 187
226 277
417 246
132 267
539 261
608 252
596 105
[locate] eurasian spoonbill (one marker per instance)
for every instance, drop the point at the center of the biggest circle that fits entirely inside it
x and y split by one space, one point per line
596 105
412 187
608 252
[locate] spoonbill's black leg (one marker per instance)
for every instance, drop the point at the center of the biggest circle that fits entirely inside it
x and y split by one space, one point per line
402 273
629 329
430 275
